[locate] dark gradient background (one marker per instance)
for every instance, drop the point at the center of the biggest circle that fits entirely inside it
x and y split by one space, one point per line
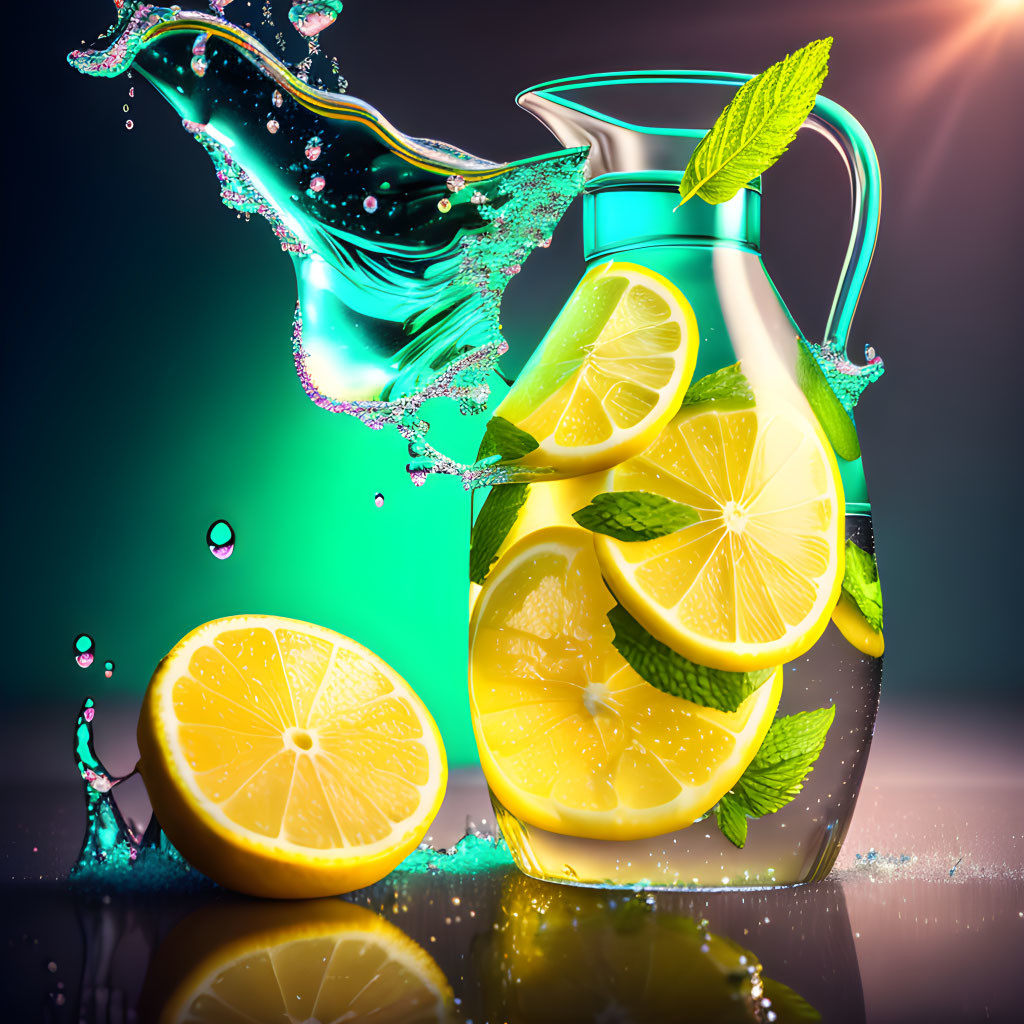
149 387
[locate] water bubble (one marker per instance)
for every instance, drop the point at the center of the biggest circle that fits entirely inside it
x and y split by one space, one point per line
220 538
108 669
276 98
125 108
370 204
199 65
129 124
272 126
131 92
378 500
317 182
444 205
456 183
85 650
869 353
51 967
478 198
313 148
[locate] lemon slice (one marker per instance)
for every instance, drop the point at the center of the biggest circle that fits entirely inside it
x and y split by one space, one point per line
609 374
322 960
571 739
753 584
283 759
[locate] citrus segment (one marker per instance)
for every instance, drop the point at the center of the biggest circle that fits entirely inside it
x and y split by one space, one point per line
283 759
324 960
571 739
752 585
611 372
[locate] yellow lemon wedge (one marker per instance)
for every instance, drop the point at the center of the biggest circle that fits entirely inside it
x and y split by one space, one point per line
754 582
285 760
856 629
571 739
319 960
609 374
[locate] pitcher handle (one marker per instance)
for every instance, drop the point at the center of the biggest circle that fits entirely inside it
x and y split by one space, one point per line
844 131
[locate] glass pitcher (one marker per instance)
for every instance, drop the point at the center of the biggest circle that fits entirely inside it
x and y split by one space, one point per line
711 254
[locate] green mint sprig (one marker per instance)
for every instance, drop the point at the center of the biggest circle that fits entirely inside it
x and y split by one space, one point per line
497 517
662 667
861 584
635 515
777 773
757 126
725 385
505 439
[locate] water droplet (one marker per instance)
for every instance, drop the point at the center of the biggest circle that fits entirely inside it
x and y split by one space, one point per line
131 92
478 198
85 650
129 124
272 126
313 148
220 538
869 353
317 182
456 183
108 669
125 108
378 500
51 967
276 98
370 204
199 65
444 205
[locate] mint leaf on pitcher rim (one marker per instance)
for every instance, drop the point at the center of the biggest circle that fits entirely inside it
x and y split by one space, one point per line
757 126
635 515
725 385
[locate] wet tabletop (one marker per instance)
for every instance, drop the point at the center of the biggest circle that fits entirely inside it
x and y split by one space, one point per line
922 919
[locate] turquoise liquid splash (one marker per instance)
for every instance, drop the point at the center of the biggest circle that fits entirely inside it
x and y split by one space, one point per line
401 246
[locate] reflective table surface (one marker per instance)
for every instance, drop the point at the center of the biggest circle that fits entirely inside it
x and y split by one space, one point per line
922 919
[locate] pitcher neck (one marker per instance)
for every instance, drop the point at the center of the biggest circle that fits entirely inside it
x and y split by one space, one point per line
638 210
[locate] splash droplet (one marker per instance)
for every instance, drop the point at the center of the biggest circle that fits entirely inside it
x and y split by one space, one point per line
869 353
220 538
313 148
131 92
85 650
199 65
378 500
108 669
129 124
370 204
456 183
444 205
272 126
125 108
317 182
276 98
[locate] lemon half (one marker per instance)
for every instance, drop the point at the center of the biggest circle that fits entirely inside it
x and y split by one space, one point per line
283 759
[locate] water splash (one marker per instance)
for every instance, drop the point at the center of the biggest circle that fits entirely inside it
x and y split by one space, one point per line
112 853
402 246
472 854
220 539
85 650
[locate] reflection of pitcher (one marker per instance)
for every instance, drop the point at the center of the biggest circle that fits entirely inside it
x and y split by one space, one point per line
626 825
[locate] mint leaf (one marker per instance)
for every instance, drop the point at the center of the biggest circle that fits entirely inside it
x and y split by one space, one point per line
777 772
725 385
505 439
788 1005
757 126
862 586
662 667
496 518
635 515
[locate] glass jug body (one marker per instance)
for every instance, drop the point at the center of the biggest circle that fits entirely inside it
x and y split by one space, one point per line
712 255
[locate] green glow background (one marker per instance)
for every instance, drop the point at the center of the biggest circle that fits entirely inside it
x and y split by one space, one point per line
149 387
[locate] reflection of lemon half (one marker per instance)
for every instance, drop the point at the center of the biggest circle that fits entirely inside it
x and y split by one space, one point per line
571 739
611 372
753 584
323 960
570 955
283 759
